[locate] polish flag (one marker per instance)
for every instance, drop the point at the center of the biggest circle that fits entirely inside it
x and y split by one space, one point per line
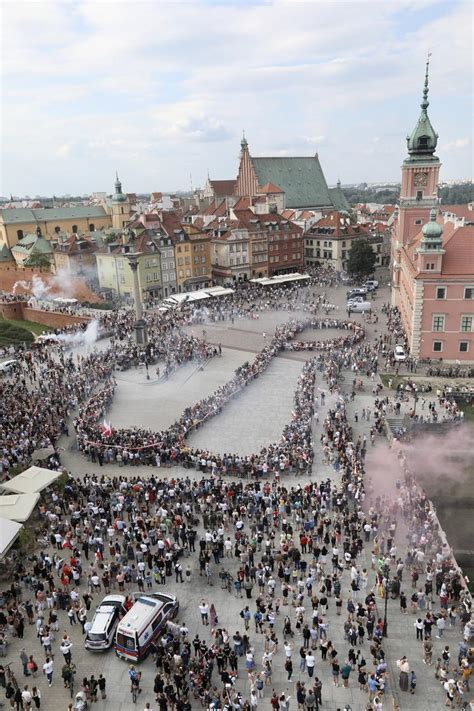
106 428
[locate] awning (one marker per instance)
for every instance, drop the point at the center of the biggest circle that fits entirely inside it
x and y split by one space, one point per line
18 507
43 452
9 531
31 481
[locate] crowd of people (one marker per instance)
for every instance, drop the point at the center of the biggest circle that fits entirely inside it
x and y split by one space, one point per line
295 551
291 453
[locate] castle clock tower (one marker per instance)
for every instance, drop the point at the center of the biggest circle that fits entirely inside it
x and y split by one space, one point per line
419 188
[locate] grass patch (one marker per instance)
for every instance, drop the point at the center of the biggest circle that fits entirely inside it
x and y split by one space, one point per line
396 379
11 335
35 328
468 410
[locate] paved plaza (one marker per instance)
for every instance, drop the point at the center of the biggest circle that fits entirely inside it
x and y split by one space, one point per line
249 422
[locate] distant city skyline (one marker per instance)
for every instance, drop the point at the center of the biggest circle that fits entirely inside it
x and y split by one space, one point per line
162 91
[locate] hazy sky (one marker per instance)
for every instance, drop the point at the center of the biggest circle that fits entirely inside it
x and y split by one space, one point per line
161 91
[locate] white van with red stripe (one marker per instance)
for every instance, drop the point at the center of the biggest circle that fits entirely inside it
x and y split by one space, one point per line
143 623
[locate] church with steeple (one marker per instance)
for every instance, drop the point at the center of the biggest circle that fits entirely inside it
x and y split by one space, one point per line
119 206
432 259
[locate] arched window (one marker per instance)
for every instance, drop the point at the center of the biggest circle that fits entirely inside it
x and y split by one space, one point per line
74 229
57 229
19 234
91 227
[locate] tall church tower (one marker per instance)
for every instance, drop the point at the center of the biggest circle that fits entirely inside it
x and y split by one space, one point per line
419 189
120 206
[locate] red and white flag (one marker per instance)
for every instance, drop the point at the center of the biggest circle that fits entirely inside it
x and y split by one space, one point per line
106 428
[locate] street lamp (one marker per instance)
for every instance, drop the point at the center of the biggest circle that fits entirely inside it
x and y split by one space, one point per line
140 325
386 574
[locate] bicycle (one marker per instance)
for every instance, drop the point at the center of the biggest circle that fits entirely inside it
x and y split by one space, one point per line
10 675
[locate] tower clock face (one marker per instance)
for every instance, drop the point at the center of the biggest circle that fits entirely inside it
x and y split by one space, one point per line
421 180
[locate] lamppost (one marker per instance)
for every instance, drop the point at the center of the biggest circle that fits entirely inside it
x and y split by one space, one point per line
386 580
140 325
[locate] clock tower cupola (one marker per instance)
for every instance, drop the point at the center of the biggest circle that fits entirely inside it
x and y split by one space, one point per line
420 173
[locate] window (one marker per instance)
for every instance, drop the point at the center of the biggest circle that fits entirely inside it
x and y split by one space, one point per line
469 292
196 260
165 277
441 292
466 324
419 195
463 346
438 322
19 234
204 270
437 346
74 229
203 259
181 274
91 227
164 266
417 222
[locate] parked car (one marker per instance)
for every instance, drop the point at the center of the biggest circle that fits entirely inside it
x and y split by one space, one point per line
360 307
370 284
104 623
399 354
355 300
356 292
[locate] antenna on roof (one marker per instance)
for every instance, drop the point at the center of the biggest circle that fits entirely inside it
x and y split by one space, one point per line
191 181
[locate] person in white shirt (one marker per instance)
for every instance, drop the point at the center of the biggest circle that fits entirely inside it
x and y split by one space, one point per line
48 669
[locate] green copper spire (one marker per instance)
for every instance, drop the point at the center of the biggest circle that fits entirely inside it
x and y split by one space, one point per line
119 196
432 233
423 139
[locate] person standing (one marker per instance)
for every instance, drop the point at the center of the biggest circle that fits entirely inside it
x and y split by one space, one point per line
36 695
204 610
289 667
48 669
24 661
404 669
101 682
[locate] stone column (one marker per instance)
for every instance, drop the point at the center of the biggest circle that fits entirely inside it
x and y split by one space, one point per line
140 325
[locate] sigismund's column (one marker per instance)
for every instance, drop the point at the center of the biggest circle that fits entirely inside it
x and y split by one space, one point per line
140 325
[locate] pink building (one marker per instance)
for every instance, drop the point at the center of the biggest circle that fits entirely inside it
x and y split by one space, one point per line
432 266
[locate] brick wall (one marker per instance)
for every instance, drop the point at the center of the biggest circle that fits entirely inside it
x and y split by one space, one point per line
20 311
52 318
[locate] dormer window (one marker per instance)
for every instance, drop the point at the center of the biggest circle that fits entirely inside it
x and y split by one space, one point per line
423 142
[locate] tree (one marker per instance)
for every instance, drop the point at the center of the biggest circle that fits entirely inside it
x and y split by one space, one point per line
361 262
38 260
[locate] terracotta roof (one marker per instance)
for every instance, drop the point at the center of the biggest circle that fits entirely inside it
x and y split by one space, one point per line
459 256
248 219
223 188
76 245
270 188
243 203
288 214
339 225
461 211
171 223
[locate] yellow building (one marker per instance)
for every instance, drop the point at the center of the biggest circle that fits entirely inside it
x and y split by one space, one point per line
119 206
201 264
114 271
16 223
